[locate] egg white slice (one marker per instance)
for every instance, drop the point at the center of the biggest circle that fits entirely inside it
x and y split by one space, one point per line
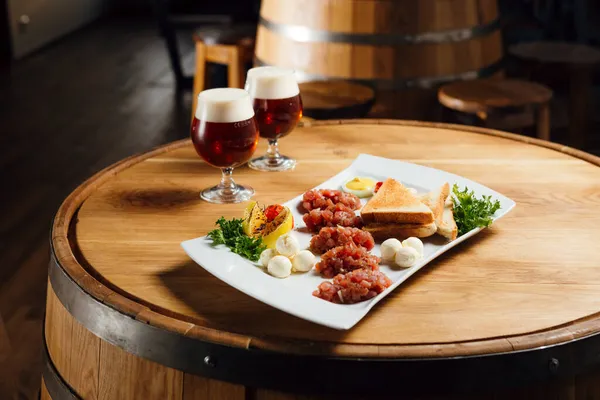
368 192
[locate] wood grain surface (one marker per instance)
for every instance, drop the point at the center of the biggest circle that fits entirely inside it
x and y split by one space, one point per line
74 350
199 388
96 369
530 280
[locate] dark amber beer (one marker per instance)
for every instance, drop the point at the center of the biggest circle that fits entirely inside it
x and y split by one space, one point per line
225 135
277 117
278 108
225 144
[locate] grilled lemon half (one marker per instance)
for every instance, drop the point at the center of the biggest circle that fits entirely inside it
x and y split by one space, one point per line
256 224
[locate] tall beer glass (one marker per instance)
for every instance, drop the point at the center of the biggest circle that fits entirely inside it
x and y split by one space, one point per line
225 135
277 108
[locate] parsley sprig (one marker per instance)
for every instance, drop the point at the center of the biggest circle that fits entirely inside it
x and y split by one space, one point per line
471 212
231 234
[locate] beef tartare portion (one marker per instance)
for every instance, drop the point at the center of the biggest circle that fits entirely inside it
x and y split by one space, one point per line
337 214
353 287
342 259
330 237
324 198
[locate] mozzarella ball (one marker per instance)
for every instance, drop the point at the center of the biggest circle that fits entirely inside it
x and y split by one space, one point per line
280 267
415 243
303 261
266 256
287 245
389 248
406 257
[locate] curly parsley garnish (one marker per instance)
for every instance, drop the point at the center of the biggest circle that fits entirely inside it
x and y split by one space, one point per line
471 212
231 234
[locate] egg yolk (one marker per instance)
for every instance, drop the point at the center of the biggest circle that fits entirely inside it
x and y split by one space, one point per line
360 184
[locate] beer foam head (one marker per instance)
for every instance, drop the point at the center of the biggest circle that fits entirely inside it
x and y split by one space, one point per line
224 105
271 83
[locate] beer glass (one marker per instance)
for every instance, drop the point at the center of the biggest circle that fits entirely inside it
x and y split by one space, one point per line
225 135
277 108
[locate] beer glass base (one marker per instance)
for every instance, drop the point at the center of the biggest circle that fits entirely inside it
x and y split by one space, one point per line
218 195
266 163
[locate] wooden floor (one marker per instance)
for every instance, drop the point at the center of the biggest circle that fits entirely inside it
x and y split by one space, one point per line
95 97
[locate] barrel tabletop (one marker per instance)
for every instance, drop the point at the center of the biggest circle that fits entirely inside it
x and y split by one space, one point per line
530 280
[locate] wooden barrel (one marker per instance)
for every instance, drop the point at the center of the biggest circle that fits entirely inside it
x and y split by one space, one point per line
511 313
390 44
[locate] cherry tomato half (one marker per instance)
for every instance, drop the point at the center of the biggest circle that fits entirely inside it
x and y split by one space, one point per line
273 211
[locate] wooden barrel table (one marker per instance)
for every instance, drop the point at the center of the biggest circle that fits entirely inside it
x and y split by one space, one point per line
511 313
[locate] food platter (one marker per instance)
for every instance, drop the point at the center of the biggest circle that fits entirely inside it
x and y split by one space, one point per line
294 295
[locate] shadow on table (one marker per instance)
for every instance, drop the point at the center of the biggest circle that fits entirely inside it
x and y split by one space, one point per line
156 198
215 304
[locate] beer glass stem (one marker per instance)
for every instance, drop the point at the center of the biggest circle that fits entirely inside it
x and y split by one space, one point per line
227 185
273 152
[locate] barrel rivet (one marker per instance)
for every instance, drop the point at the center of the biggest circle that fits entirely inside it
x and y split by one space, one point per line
553 365
210 361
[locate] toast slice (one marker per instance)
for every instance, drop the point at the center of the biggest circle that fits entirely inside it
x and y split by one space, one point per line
400 231
447 226
435 201
394 203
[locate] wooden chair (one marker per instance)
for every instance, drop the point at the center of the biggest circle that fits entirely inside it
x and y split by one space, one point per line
232 46
488 99
336 99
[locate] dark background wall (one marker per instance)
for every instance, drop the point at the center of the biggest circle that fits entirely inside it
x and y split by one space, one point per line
4 34
245 10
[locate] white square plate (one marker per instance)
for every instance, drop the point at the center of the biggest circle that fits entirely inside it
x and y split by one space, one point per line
294 294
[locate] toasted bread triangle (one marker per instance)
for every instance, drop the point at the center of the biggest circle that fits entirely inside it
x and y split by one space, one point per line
435 201
447 225
394 203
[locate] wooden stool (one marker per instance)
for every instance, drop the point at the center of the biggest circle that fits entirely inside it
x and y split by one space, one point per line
336 99
485 97
228 45
572 62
